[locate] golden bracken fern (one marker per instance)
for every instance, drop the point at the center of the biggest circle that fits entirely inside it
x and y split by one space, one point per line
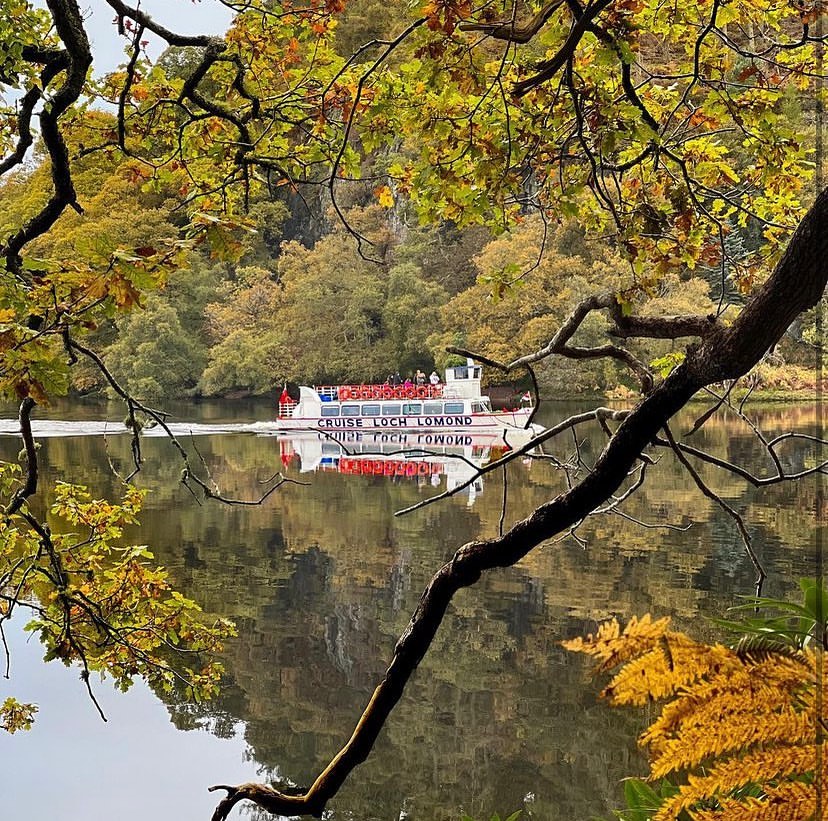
739 729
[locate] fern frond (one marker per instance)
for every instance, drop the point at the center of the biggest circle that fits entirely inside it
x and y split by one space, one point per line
658 674
612 647
757 647
703 741
759 767
741 724
728 715
754 689
791 801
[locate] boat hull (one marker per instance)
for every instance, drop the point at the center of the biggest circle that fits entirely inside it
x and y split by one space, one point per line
472 422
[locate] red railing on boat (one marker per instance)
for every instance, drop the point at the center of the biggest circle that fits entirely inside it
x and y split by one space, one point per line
285 409
363 393
389 467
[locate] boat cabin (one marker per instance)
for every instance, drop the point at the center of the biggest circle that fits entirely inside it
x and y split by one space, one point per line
456 403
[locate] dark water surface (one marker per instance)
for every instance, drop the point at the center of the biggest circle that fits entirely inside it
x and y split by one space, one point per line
321 579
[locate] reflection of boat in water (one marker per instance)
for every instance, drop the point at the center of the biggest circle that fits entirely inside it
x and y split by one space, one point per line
415 455
455 405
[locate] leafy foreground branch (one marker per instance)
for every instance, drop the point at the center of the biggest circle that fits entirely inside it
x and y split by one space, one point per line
741 728
96 603
727 353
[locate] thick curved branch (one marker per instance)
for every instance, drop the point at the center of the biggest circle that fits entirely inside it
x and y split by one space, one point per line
660 327
549 68
69 26
171 37
24 130
796 285
30 486
559 344
657 327
512 33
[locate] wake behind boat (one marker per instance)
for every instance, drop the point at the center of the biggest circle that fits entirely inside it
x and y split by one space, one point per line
456 405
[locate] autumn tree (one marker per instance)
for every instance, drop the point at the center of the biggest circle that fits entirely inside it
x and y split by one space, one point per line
665 128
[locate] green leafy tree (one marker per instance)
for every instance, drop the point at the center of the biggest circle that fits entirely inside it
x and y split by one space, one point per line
324 315
154 357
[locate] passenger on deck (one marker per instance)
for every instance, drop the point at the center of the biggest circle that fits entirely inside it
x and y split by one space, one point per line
420 377
434 379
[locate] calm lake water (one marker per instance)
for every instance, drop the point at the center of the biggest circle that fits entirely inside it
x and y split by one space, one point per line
321 579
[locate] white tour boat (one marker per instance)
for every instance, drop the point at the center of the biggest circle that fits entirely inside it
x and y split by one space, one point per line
455 404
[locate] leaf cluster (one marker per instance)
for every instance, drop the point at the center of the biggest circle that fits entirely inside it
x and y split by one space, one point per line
98 603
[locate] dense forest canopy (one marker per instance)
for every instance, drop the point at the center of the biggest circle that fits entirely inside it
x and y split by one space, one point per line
289 123
336 188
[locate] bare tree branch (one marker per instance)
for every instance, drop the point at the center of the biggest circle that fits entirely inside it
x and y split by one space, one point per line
711 494
172 38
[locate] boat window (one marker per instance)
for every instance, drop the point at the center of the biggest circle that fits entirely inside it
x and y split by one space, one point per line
413 409
350 410
330 410
477 407
331 449
433 407
391 410
474 373
454 407
370 410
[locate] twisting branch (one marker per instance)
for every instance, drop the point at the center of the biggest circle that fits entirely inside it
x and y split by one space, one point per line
559 344
125 88
549 68
796 285
753 426
54 61
30 486
663 327
660 327
69 26
701 420
212 491
134 407
513 33
172 38
742 473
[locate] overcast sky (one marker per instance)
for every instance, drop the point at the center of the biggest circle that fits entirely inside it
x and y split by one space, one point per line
183 16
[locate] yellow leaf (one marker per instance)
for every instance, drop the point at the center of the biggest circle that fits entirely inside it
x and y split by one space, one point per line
385 197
